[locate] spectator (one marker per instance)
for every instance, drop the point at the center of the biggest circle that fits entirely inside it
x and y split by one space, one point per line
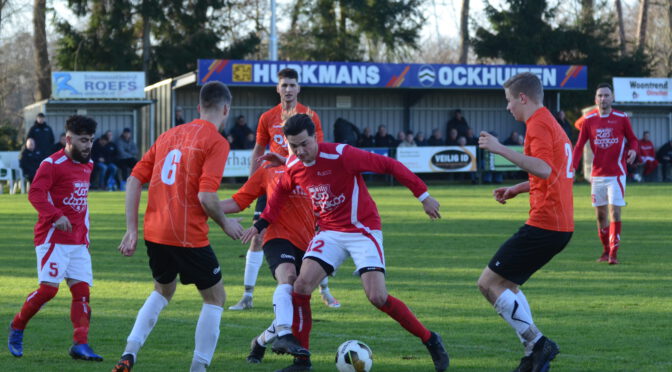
43 136
401 137
30 160
462 141
127 152
104 156
239 133
420 139
250 140
452 137
459 123
564 123
179 116
514 139
408 141
664 156
60 145
383 139
366 139
436 138
646 159
472 140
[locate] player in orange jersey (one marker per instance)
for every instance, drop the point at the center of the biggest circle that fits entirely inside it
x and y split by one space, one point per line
547 158
184 168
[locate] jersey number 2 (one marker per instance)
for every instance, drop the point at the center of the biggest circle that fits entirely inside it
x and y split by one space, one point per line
169 170
568 152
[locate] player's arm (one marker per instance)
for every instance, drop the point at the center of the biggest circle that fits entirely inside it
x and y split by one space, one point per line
257 152
210 204
38 195
319 133
133 193
503 194
633 143
527 163
249 192
261 140
578 148
273 208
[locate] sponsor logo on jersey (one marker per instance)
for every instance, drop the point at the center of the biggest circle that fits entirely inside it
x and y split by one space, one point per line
78 198
323 198
299 191
288 257
324 173
216 270
605 138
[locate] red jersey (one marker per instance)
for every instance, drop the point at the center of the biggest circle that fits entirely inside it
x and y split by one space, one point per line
296 220
551 199
61 188
607 135
270 126
183 161
336 188
647 151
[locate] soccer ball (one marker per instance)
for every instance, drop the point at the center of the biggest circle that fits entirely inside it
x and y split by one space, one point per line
354 356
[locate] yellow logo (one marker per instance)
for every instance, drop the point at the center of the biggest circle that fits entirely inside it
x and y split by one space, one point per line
242 73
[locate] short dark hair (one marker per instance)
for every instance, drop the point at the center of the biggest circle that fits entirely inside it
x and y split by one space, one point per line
646 132
79 125
604 85
288 73
297 124
526 83
214 94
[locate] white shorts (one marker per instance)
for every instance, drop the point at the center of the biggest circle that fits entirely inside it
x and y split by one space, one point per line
58 261
333 247
608 190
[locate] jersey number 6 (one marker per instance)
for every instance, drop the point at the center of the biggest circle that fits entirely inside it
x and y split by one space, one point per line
169 170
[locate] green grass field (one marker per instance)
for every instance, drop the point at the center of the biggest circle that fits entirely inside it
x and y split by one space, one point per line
604 318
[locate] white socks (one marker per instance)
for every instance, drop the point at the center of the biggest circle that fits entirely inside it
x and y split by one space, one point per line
144 322
267 336
324 284
516 311
284 309
207 334
253 261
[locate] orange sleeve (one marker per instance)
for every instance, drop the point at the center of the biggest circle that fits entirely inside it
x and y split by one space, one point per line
213 166
540 141
262 131
579 122
143 169
318 127
252 189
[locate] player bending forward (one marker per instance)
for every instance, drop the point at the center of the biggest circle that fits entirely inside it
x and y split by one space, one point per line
349 226
59 193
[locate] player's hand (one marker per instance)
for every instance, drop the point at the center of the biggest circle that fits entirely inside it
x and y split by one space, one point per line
233 228
273 159
503 194
431 207
632 155
63 224
249 234
128 243
487 141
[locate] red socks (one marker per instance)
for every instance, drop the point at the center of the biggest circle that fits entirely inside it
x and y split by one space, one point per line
33 303
80 312
614 237
303 319
604 237
398 311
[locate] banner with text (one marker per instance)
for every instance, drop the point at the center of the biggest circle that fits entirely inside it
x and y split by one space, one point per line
238 163
96 84
438 159
652 90
388 75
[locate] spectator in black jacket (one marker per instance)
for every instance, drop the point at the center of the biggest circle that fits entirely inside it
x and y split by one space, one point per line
30 159
60 145
471 139
436 139
420 139
127 155
457 122
383 139
239 133
452 137
366 139
104 155
664 157
43 135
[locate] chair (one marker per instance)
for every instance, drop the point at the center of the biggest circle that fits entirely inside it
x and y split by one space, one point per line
6 174
18 172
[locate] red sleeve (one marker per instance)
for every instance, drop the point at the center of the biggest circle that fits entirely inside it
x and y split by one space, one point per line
578 148
633 143
358 161
39 190
262 131
213 166
252 189
280 195
318 127
143 169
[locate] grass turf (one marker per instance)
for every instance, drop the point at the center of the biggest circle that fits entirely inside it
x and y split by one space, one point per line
605 318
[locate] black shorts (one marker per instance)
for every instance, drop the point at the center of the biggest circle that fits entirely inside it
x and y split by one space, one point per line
527 251
279 251
259 208
194 265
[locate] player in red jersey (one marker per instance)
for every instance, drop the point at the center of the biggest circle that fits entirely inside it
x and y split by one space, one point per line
184 168
607 130
59 193
284 245
647 156
547 158
269 133
349 226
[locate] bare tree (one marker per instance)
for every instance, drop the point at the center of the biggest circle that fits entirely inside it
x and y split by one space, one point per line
464 32
587 10
42 66
642 22
621 27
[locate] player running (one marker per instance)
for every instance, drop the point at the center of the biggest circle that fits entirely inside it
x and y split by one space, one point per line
184 168
547 159
59 193
269 133
284 245
607 131
349 226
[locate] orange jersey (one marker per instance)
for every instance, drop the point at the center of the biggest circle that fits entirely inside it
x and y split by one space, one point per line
297 219
183 161
551 200
578 124
269 130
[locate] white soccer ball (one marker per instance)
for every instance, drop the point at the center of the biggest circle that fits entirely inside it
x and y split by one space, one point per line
354 356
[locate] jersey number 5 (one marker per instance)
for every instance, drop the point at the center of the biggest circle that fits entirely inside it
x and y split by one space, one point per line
568 152
169 170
